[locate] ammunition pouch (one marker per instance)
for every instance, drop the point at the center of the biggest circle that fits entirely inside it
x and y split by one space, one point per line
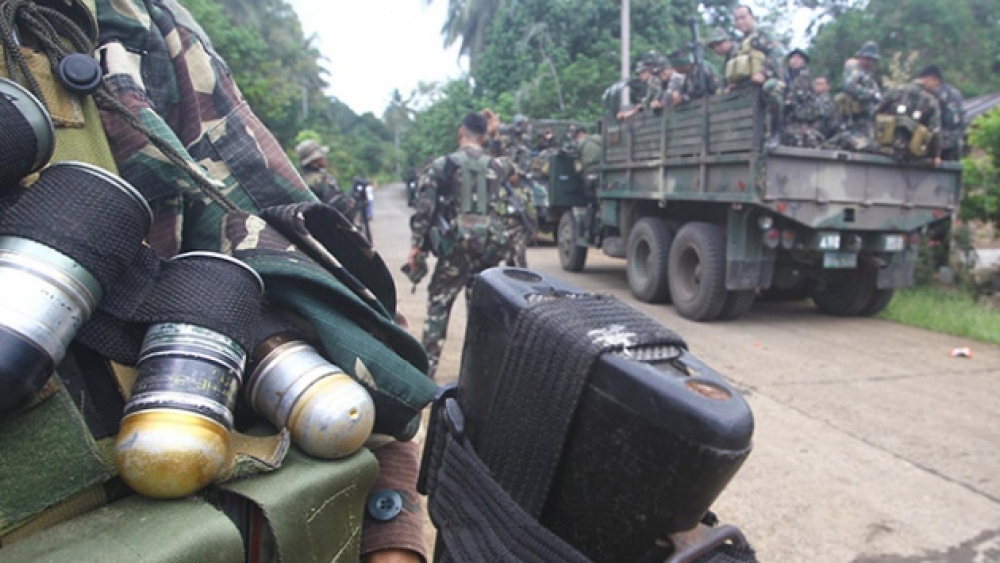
847 105
885 129
920 141
482 236
744 65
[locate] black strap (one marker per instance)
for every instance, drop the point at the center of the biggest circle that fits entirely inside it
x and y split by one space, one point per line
554 343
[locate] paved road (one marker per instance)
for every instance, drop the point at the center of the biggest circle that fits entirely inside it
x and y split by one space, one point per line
871 443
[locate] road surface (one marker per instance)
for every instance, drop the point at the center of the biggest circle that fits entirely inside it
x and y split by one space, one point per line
871 442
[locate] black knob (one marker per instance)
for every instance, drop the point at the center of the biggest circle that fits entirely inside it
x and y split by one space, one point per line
80 74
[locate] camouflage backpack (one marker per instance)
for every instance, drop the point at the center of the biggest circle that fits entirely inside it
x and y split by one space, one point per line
478 229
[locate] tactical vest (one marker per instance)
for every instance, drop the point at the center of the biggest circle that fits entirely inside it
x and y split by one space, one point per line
476 230
899 126
746 62
848 106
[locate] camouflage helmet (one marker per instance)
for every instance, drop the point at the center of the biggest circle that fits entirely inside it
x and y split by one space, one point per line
641 66
717 36
663 63
681 58
519 119
868 50
652 57
310 151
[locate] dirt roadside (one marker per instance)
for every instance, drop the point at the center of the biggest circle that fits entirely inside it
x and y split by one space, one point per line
871 443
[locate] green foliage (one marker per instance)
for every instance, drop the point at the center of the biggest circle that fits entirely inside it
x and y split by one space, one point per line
982 171
435 129
947 311
961 36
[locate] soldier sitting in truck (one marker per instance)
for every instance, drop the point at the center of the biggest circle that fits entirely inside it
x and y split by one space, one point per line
908 124
694 89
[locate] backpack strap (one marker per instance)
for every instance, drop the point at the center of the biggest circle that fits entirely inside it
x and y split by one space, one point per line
474 181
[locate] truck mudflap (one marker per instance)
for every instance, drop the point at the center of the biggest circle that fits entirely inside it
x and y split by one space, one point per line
898 272
749 274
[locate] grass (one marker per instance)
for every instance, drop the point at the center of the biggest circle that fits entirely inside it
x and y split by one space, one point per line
947 311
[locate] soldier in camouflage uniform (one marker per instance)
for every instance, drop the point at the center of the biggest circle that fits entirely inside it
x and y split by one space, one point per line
683 62
905 113
518 212
952 115
312 161
653 88
721 44
207 193
458 220
857 102
671 85
801 113
827 122
756 61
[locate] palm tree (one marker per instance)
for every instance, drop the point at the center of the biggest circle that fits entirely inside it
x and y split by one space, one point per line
469 20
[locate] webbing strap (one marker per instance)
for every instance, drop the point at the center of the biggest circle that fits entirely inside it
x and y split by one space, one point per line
554 343
474 178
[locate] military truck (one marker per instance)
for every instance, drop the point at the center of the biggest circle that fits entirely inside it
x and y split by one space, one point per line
709 220
548 210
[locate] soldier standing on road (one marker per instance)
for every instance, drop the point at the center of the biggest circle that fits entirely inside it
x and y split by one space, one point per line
312 160
519 215
952 115
457 218
756 61
856 104
800 105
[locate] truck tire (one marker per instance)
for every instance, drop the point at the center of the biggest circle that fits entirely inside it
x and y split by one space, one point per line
648 255
879 301
697 271
571 256
847 293
738 303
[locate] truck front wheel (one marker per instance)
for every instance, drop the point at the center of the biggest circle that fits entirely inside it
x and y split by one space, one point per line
648 257
571 256
697 271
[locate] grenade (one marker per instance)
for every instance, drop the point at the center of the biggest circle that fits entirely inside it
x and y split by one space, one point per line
328 414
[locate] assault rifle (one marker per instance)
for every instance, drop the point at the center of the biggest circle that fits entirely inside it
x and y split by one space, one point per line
698 50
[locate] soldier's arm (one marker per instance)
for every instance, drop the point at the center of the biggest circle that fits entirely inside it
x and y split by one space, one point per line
420 222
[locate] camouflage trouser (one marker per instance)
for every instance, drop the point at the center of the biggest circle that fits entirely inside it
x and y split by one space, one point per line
801 135
517 233
773 93
857 138
451 275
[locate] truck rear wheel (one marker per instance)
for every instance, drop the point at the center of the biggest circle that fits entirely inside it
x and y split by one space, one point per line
847 293
697 271
879 301
571 256
738 303
648 256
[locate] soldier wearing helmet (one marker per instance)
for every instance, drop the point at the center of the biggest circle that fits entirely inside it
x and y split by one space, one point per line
644 69
313 163
857 101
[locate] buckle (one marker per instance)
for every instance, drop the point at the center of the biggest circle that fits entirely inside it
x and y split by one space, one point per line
698 541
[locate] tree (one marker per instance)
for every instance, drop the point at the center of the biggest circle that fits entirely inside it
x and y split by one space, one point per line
960 36
469 21
982 171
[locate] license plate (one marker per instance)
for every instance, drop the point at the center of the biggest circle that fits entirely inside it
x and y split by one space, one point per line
840 260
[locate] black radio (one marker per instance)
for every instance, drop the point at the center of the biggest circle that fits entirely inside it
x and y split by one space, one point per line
655 435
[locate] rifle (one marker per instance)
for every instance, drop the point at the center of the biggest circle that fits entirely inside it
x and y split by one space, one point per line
699 55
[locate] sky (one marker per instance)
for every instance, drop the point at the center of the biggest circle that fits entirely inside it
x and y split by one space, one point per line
376 46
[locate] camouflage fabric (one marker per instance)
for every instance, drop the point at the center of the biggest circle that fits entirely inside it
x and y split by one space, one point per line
863 94
760 41
953 122
692 88
325 187
826 121
801 112
163 69
589 152
521 220
910 106
653 90
457 264
674 83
